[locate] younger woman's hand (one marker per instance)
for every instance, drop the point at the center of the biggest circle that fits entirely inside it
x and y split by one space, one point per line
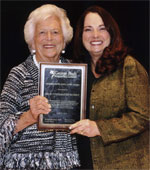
85 127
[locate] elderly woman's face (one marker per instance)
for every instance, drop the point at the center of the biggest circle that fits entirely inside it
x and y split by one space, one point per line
95 37
48 39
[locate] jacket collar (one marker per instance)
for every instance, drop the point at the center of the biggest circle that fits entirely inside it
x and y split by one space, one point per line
33 69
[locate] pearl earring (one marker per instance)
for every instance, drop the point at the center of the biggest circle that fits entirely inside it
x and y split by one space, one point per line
63 52
33 52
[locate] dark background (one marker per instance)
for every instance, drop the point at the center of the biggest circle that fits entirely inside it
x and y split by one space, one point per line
131 16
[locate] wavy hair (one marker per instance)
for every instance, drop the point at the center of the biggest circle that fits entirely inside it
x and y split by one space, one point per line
42 13
113 55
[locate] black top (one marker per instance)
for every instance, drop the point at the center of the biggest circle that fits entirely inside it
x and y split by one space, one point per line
83 141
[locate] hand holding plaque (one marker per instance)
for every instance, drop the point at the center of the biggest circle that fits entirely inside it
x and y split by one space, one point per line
64 85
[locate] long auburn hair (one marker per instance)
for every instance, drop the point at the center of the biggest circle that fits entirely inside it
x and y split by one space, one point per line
113 55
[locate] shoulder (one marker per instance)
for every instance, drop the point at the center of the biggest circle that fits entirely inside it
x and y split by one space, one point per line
18 73
133 66
130 61
22 68
64 60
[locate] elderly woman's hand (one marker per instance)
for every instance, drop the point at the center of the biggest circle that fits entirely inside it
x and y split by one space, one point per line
85 127
38 105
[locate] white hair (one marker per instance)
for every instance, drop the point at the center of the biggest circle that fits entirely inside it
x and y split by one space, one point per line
42 13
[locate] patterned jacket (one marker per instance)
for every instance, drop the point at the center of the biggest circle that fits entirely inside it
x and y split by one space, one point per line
119 105
30 148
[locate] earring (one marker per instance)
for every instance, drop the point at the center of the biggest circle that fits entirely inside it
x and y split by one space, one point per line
33 52
63 51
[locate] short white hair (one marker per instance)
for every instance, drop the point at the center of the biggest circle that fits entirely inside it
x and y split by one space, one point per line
42 13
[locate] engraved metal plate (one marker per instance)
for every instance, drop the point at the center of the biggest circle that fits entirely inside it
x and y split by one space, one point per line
64 85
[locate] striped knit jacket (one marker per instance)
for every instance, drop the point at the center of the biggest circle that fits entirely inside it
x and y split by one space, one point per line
30 148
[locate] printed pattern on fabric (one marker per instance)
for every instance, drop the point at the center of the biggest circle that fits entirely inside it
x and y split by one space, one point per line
30 148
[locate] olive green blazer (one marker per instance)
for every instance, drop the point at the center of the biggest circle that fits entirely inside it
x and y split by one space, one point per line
119 105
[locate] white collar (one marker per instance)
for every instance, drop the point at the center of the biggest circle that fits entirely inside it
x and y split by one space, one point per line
37 64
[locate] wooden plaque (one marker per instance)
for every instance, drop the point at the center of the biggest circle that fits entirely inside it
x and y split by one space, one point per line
65 87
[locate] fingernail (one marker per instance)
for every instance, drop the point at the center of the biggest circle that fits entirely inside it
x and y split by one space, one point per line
48 111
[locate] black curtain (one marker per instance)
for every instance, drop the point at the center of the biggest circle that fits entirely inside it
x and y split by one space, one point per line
132 17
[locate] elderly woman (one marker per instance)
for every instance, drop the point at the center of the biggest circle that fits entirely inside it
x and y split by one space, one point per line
117 111
22 146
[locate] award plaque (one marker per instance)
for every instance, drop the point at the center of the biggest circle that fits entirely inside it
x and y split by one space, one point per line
64 85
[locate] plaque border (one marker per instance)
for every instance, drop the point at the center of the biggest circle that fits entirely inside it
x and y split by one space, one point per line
83 94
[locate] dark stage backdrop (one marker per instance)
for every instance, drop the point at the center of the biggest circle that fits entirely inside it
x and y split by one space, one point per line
132 17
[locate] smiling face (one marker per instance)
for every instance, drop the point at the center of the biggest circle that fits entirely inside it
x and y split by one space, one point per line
95 36
48 40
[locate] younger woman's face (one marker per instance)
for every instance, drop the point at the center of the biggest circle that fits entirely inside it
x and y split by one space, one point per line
95 36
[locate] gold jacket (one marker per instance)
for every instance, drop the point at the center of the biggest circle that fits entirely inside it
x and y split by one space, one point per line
119 105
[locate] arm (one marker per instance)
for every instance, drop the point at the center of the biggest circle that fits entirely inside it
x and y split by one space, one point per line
11 99
8 109
38 105
136 118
